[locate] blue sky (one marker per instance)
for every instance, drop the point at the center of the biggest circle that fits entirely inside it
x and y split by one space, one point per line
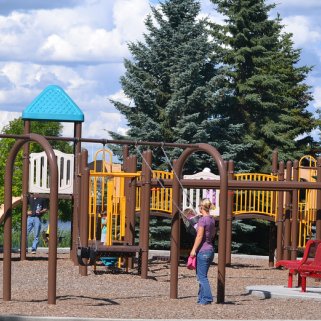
80 45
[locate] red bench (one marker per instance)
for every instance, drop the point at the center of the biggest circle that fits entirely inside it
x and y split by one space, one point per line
294 265
311 270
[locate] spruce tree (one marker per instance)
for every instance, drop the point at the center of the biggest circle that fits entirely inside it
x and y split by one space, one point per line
269 94
175 85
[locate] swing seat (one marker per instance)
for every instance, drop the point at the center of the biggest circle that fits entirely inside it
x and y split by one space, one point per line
108 261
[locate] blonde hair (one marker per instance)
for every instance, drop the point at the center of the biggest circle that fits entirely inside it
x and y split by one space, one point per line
206 204
189 212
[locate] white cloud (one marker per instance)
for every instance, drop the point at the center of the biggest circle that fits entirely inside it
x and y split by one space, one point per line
6 117
122 130
81 49
129 16
303 30
68 129
317 97
121 97
25 81
100 123
73 35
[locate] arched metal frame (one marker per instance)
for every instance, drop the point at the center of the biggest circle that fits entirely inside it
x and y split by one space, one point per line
53 216
175 233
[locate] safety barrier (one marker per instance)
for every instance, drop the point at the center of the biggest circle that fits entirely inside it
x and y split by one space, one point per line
161 197
106 197
192 196
39 173
252 201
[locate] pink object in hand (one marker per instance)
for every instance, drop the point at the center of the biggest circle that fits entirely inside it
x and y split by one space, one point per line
191 263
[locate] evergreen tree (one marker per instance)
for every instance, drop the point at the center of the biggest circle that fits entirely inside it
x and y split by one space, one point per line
175 85
269 94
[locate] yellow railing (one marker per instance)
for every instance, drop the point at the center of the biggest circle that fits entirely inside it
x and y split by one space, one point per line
255 201
161 198
307 198
107 196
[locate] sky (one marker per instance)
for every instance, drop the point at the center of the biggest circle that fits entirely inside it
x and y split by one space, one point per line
80 45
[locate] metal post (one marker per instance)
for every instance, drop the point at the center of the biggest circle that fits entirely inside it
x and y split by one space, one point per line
272 229
272 243
295 203
84 204
131 205
25 188
230 202
126 164
76 192
279 220
145 210
288 206
175 232
318 214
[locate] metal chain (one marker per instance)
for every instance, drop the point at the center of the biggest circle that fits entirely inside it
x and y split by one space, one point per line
184 217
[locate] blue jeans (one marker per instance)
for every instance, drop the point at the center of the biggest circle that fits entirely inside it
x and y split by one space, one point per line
34 222
203 262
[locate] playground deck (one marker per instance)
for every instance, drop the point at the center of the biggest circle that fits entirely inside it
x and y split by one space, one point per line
127 296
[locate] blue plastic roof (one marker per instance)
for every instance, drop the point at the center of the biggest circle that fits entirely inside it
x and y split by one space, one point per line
53 104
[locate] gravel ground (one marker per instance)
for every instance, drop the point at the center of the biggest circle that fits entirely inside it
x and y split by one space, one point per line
127 295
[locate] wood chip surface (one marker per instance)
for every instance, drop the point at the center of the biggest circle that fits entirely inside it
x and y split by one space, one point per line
110 294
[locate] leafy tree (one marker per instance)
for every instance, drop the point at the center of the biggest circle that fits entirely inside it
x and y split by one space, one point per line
176 86
16 127
269 93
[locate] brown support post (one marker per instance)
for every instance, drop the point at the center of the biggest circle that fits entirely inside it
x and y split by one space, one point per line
76 192
230 202
25 188
131 206
287 222
142 206
175 233
145 210
279 221
126 164
7 241
125 152
275 162
295 214
318 216
84 203
272 241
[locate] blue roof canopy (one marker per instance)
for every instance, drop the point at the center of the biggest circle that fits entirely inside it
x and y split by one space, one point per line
53 104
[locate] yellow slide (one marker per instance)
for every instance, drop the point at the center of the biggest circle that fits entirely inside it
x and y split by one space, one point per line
16 200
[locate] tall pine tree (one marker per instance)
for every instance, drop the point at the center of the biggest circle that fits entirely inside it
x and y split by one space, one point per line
175 86
269 94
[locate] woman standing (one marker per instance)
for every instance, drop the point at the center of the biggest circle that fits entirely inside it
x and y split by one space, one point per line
203 249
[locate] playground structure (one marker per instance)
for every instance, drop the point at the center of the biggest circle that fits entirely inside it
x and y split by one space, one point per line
142 190
247 204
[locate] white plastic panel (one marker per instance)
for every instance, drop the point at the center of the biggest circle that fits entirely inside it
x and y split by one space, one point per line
39 178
